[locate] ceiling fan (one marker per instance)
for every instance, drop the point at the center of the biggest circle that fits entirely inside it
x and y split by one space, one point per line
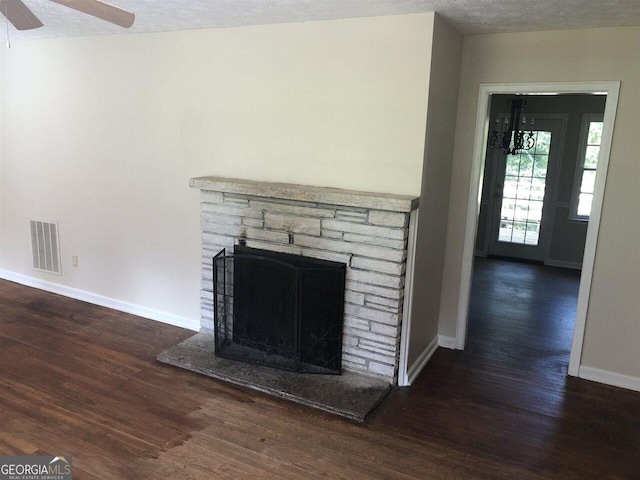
23 19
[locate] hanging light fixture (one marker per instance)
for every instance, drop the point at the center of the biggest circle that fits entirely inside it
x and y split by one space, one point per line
512 137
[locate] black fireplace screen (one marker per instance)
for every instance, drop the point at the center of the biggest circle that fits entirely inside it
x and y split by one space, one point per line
279 310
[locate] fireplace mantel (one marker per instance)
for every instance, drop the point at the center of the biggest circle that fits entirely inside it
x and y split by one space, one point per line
306 193
367 231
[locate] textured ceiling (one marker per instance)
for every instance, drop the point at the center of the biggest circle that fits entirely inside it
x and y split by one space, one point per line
468 16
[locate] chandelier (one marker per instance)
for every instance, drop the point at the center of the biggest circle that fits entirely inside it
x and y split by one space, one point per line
512 137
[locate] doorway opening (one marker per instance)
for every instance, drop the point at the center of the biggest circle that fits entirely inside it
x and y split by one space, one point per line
523 228
526 215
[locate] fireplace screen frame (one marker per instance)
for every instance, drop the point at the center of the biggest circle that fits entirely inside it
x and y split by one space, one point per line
309 317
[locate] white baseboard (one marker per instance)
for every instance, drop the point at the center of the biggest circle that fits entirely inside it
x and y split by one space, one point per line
415 369
101 300
609 378
563 264
447 342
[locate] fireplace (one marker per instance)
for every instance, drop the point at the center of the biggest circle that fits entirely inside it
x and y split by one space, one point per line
343 314
368 232
279 310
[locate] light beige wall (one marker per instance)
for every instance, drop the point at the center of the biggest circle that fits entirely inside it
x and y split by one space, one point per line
103 133
1 90
434 196
613 320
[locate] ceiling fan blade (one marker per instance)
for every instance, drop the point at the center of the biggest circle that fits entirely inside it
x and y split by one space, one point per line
101 10
19 15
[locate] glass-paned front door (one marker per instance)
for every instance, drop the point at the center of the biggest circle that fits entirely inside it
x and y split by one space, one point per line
523 193
521 189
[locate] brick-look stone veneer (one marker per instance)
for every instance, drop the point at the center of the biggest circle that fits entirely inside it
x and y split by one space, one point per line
366 231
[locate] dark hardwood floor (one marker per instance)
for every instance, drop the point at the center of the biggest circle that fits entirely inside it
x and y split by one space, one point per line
506 398
81 380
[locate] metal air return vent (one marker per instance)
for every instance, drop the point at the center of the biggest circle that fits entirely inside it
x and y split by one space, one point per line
45 246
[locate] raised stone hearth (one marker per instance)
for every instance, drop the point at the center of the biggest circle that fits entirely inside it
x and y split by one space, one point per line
366 231
350 395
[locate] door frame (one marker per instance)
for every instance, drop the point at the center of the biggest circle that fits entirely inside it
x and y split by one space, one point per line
612 90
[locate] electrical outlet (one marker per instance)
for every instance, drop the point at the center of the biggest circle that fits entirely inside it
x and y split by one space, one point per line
74 261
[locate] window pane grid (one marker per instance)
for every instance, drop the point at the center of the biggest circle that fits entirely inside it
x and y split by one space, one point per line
589 166
523 193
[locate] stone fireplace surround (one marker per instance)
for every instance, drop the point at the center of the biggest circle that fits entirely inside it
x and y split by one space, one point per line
366 231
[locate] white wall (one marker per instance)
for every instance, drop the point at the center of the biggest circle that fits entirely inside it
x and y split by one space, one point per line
103 133
434 196
612 332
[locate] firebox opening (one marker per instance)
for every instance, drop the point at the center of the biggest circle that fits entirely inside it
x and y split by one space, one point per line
279 310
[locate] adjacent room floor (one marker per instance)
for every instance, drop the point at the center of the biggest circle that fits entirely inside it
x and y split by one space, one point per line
82 380
521 318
